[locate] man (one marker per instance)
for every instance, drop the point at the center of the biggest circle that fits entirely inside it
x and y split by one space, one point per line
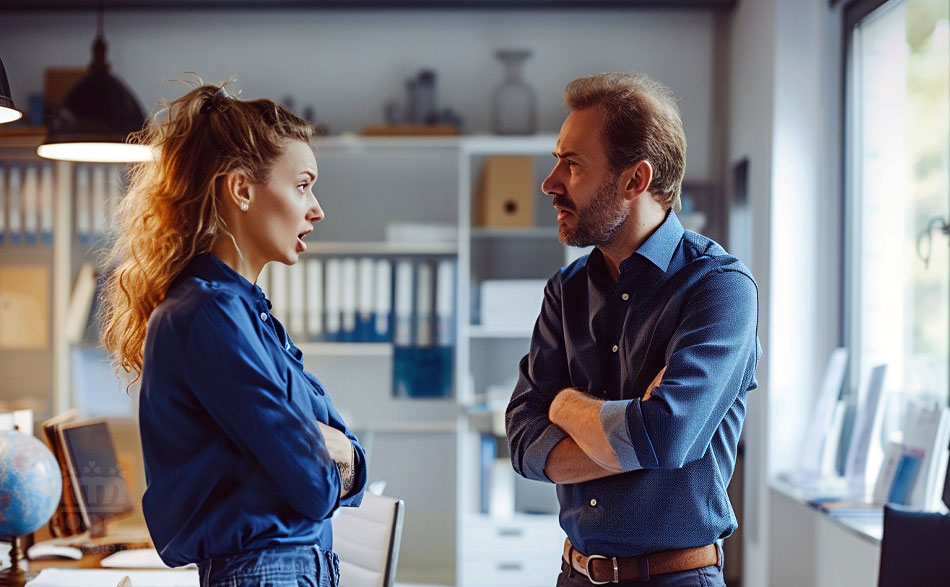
633 394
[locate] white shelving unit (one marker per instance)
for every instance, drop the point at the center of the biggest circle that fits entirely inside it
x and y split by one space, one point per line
508 548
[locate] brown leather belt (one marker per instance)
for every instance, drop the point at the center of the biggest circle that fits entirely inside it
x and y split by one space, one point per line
601 570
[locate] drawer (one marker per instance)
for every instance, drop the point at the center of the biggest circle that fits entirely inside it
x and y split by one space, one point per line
519 534
510 570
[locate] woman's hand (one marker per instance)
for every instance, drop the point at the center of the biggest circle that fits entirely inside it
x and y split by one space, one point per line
342 452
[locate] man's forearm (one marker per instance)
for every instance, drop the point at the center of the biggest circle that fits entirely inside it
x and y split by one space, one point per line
567 463
578 414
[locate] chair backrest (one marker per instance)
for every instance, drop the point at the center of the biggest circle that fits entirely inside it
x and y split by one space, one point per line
915 549
367 541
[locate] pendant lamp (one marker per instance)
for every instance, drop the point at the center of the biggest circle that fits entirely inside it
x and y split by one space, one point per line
8 112
97 114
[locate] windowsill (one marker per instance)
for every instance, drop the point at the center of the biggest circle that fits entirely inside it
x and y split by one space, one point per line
866 523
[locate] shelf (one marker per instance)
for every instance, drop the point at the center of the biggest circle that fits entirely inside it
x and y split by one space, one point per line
381 248
347 349
354 143
400 426
534 232
480 331
542 144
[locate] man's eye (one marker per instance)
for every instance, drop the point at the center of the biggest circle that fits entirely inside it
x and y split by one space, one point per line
302 187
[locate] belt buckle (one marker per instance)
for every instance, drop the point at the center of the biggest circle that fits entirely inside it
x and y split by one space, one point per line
600 556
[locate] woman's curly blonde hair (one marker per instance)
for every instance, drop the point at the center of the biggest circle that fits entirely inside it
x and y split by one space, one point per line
170 212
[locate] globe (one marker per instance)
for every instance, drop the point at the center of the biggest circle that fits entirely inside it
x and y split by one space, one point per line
30 484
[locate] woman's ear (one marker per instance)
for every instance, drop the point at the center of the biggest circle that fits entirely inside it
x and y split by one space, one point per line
636 179
237 189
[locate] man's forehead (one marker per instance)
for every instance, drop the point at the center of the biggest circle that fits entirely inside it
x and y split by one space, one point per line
580 131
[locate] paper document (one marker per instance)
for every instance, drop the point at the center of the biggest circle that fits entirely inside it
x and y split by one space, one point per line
109 577
136 558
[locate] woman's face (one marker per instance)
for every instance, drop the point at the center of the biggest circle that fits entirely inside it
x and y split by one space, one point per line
284 207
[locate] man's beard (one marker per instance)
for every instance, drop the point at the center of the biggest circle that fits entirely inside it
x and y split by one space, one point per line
599 222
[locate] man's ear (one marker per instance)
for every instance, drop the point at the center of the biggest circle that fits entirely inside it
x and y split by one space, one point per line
636 179
237 188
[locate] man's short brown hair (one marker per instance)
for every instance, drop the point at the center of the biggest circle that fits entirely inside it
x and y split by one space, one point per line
641 122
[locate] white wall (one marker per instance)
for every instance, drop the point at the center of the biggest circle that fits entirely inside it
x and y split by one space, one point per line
785 117
348 64
751 59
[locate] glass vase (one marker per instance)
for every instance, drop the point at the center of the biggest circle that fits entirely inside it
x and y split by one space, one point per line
514 105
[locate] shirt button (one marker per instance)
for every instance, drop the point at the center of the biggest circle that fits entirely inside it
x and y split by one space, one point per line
614 348
264 316
593 503
625 297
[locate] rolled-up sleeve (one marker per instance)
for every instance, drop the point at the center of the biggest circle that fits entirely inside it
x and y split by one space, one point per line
710 359
542 374
247 394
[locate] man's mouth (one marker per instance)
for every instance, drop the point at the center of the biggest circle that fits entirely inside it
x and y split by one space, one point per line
563 210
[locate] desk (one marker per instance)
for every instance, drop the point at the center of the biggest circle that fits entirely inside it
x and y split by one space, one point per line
88 561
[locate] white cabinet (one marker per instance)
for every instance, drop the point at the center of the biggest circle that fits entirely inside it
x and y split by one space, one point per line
520 551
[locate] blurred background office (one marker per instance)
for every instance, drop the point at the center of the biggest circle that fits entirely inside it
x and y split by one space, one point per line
817 153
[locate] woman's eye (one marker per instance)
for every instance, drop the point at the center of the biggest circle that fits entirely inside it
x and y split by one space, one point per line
302 188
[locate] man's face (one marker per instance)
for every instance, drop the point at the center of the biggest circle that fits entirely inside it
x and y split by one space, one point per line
582 187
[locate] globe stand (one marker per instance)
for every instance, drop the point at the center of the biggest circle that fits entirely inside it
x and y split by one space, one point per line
14 576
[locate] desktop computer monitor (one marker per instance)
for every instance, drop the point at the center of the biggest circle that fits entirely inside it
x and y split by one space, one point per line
94 473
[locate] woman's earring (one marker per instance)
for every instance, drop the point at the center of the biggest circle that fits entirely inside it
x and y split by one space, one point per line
244 206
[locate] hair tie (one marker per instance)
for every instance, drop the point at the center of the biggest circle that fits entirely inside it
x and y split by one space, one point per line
220 99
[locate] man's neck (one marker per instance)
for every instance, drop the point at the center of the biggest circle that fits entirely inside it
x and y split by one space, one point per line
638 227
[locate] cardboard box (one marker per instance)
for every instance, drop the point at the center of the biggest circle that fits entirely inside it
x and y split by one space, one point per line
505 193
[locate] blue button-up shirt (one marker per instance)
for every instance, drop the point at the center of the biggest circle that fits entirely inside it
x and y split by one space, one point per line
234 458
681 302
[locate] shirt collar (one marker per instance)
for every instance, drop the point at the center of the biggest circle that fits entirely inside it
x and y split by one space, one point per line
208 267
659 248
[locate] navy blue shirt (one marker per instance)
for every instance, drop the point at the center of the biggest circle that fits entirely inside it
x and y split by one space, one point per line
680 302
234 458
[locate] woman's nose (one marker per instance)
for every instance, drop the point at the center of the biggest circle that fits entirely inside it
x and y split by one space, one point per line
316 212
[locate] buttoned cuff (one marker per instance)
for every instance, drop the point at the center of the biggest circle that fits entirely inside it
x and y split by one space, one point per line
536 455
613 420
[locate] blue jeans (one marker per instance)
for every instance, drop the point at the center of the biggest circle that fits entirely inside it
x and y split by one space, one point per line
279 566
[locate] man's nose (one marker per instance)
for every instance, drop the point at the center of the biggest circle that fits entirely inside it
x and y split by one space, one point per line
551 186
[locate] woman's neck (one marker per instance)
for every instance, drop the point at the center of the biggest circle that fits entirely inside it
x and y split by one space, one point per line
226 250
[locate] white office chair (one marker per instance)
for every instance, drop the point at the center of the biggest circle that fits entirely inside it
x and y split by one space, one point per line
367 541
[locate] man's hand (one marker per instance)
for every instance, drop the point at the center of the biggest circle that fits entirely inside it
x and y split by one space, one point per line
578 414
341 451
653 385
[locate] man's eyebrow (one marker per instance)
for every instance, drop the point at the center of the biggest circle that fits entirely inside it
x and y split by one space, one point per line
565 155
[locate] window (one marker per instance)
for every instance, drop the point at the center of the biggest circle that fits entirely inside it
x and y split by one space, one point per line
898 162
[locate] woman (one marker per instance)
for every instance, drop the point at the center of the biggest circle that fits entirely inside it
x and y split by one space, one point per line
245 457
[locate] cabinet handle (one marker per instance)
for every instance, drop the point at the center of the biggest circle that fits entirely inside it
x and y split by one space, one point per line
510 532
509 566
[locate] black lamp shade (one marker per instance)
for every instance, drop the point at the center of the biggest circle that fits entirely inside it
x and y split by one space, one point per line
99 108
8 112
